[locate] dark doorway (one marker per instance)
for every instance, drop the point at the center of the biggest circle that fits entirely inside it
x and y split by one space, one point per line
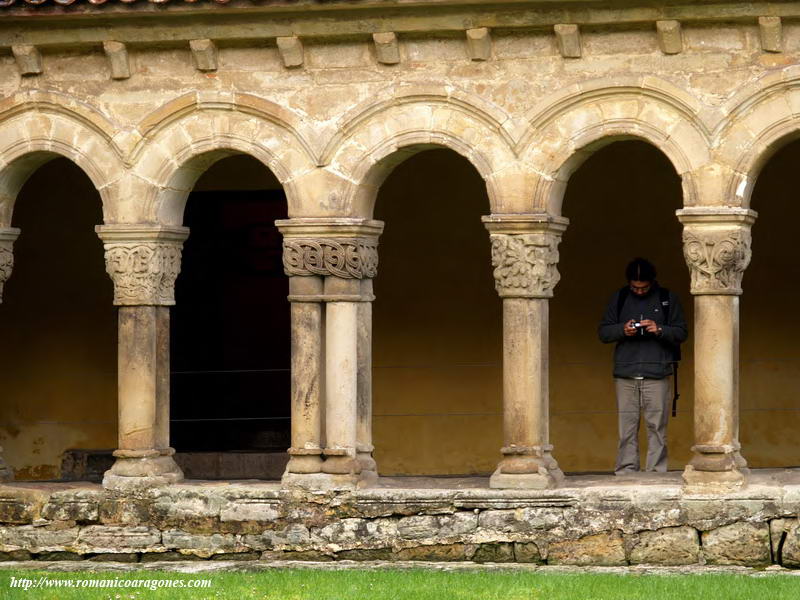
230 327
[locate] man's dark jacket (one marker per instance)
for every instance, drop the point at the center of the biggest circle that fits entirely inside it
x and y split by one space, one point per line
647 355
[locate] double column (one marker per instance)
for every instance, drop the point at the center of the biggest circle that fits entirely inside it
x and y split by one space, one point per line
525 260
331 263
716 245
8 236
144 262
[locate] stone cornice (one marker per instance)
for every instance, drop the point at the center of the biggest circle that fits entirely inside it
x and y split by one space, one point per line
241 20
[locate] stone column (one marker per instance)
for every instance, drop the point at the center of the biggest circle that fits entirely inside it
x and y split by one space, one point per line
525 259
337 257
144 262
716 245
8 236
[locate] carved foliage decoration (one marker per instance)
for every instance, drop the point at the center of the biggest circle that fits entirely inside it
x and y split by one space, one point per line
525 265
143 273
717 259
355 258
6 264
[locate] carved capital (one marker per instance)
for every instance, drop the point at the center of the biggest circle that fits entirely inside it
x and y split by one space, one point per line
348 258
7 237
525 265
716 246
143 263
525 253
717 259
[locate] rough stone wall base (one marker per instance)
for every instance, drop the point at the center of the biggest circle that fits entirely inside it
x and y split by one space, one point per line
595 525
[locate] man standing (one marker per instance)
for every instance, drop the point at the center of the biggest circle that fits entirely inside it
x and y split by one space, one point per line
647 323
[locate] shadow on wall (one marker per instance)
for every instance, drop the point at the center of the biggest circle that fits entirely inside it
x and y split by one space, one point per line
770 321
621 203
59 328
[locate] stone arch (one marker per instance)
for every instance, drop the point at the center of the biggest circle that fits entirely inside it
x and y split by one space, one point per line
171 158
381 137
590 116
760 120
32 136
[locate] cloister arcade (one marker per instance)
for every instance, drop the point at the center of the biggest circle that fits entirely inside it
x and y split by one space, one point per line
331 177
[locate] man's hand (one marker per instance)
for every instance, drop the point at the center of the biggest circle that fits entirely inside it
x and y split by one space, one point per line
651 326
629 329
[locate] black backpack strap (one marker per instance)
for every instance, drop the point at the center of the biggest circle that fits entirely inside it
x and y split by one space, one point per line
622 295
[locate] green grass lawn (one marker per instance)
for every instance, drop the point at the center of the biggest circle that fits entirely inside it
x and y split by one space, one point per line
307 584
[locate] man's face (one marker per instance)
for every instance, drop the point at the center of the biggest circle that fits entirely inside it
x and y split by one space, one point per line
640 288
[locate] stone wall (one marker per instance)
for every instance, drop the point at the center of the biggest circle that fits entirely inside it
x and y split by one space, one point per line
591 526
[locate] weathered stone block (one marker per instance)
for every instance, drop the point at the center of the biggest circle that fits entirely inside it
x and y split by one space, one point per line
500 552
670 39
71 510
568 37
117 54
312 555
204 54
510 521
444 552
29 60
365 554
291 50
237 556
168 556
479 43
102 538
200 544
37 539
387 50
771 34
667 546
19 505
416 527
125 557
15 555
527 552
250 511
789 554
737 544
58 556
602 549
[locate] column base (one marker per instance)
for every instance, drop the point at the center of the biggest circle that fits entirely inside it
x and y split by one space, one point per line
527 467
369 468
321 481
543 480
132 473
304 460
713 482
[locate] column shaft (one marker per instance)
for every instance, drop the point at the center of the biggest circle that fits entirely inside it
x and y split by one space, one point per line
307 371
341 373
138 379
369 469
716 330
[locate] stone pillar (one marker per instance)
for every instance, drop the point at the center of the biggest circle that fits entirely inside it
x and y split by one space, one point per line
8 236
525 259
716 245
332 261
144 262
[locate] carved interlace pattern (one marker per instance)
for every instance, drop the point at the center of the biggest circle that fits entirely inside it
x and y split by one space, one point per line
355 258
6 264
525 265
717 259
143 273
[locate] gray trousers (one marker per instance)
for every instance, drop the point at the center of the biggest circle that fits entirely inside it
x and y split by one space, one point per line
650 398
